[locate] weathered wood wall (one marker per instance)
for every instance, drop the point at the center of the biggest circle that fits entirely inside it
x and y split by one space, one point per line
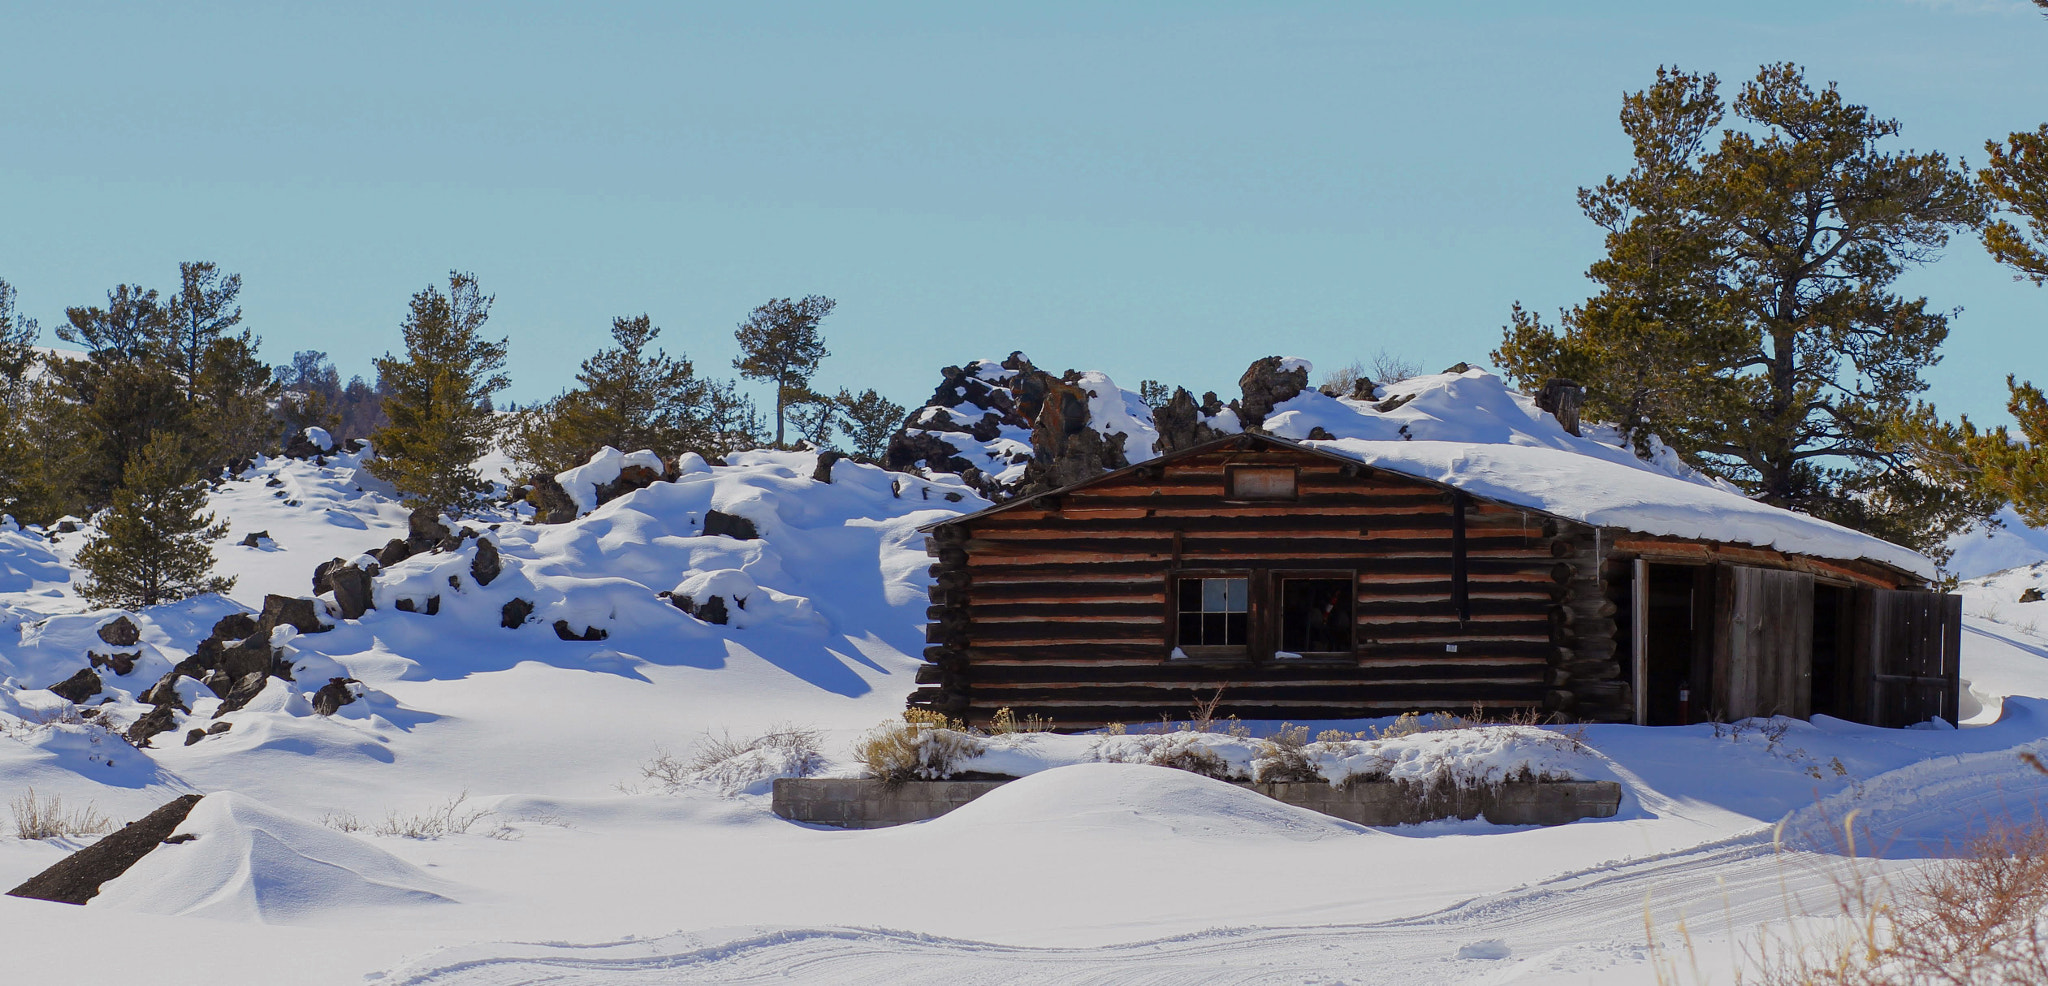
1060 606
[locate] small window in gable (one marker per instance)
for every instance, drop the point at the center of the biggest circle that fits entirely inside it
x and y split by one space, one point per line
1261 483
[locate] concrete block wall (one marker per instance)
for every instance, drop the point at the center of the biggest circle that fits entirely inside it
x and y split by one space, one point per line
864 804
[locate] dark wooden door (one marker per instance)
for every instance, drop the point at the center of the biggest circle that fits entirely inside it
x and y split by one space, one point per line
1908 647
1763 643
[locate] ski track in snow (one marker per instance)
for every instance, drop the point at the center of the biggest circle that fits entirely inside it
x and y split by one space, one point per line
1725 886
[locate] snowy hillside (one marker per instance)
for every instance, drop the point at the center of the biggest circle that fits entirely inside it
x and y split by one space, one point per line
494 803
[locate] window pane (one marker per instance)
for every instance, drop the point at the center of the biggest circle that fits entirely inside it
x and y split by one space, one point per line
1214 595
1191 595
1190 628
1213 628
1315 615
1236 595
1234 630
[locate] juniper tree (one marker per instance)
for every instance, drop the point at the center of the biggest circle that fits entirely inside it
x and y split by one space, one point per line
780 345
869 420
439 417
152 545
1747 312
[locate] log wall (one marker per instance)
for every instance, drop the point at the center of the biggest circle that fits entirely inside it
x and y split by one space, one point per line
1062 607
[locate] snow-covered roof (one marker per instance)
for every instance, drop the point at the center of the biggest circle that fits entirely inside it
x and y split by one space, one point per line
1470 431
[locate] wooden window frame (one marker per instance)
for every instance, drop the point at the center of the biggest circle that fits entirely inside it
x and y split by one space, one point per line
1273 629
1262 617
1200 653
1230 494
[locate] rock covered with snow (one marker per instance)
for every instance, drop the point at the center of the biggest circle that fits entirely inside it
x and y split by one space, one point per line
586 483
237 859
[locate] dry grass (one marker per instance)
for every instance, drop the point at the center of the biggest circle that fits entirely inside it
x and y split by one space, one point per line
923 746
1975 921
1284 756
451 817
1005 723
46 817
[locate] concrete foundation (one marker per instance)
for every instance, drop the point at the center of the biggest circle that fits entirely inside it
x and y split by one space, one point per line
867 804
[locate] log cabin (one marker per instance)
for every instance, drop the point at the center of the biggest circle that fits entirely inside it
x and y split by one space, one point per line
1343 579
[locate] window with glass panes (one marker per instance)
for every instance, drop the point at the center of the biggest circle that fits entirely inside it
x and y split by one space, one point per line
1214 611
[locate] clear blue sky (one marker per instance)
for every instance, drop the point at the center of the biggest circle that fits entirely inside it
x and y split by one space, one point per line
1164 190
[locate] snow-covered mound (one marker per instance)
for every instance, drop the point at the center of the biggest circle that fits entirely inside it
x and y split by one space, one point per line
237 859
629 566
1141 802
1985 549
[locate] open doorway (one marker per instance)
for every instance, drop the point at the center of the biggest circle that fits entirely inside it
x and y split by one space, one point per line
1833 686
1673 633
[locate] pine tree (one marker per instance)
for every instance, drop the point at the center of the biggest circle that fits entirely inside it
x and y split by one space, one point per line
626 397
815 420
780 345
1747 315
308 394
440 424
152 545
869 420
1154 393
732 424
17 358
2009 469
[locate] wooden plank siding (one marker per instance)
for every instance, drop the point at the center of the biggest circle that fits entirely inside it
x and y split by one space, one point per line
1061 607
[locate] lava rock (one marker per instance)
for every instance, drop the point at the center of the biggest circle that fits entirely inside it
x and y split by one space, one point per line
394 551
234 626
255 539
424 524
117 662
514 614
1265 386
79 687
77 878
120 632
161 719
292 611
2031 594
194 735
826 459
1183 424
247 687
333 695
164 694
551 503
487 564
718 523
711 610
351 591
563 631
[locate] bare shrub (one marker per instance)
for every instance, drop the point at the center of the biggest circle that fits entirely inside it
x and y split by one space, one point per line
1006 723
342 821
1285 756
1180 750
1203 718
731 765
1389 367
923 746
46 817
452 817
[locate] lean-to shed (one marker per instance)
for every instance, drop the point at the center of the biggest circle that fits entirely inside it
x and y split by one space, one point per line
1347 577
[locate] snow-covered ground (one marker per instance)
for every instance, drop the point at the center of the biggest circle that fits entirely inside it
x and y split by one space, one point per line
574 865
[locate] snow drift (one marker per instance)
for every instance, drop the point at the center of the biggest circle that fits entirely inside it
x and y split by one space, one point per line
237 859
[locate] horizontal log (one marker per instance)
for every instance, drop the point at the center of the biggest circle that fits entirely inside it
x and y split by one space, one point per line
1184 674
1042 634
1135 704
1224 522
1371 607
1150 608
